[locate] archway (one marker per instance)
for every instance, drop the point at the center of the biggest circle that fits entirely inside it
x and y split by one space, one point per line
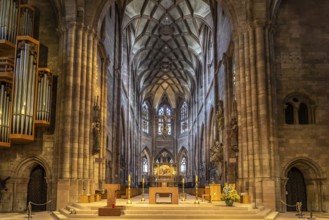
296 189
303 180
37 189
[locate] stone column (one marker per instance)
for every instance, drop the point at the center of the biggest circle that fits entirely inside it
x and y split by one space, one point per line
241 174
82 127
243 147
76 101
92 167
262 98
67 96
87 124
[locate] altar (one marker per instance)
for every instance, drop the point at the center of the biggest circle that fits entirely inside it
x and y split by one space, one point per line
164 183
155 191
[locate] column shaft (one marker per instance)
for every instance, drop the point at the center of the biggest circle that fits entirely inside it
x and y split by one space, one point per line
83 80
262 99
76 102
68 92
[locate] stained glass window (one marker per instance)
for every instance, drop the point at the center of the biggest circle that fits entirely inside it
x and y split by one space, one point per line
183 118
145 118
164 120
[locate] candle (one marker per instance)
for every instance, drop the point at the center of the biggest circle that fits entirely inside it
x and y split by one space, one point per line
128 178
196 178
143 180
183 180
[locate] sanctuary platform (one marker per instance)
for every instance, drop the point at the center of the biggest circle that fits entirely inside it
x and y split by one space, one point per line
183 210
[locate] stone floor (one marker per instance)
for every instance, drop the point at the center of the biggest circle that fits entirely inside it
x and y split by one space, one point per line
46 215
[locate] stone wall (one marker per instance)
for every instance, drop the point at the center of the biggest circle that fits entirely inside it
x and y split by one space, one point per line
302 51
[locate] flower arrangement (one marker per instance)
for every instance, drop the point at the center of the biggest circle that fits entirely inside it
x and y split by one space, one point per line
230 194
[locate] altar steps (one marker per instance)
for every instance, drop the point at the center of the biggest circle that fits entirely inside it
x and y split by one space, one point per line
194 212
205 211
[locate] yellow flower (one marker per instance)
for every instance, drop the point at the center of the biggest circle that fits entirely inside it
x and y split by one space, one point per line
230 193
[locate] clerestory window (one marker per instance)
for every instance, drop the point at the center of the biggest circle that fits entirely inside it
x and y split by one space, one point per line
183 118
145 118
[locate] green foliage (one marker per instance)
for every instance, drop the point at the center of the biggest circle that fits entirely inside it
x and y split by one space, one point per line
229 193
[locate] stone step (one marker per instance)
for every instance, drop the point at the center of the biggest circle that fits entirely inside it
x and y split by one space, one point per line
189 207
192 211
78 214
59 216
193 216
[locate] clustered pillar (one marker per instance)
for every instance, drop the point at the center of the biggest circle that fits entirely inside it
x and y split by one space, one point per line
255 169
80 173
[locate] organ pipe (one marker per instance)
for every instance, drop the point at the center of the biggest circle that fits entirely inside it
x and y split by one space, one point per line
8 20
24 89
44 97
5 104
26 21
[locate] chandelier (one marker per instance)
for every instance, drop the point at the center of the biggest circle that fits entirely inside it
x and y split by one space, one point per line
25 88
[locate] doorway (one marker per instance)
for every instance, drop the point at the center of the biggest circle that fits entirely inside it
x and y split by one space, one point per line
296 189
37 189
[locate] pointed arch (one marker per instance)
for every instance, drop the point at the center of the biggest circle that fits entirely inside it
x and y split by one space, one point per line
164 156
314 177
20 176
183 161
146 161
23 167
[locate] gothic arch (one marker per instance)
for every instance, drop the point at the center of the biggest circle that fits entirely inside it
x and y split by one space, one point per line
170 155
314 178
24 166
20 177
146 153
182 153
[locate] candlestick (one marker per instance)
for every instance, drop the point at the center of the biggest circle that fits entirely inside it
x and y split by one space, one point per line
129 201
196 190
143 199
183 198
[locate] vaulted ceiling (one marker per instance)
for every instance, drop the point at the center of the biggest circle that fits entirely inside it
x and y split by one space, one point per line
165 45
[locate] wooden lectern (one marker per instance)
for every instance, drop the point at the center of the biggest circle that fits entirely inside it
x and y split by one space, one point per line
111 209
215 192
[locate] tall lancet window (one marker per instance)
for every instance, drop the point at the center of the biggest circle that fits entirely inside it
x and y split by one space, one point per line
164 120
183 118
145 165
183 165
145 118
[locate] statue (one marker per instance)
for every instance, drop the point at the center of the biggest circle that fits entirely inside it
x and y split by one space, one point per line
234 134
220 120
216 160
96 127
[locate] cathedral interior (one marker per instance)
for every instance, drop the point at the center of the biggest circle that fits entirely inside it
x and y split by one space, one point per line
94 92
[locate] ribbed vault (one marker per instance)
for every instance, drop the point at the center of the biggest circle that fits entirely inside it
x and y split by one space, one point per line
166 44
